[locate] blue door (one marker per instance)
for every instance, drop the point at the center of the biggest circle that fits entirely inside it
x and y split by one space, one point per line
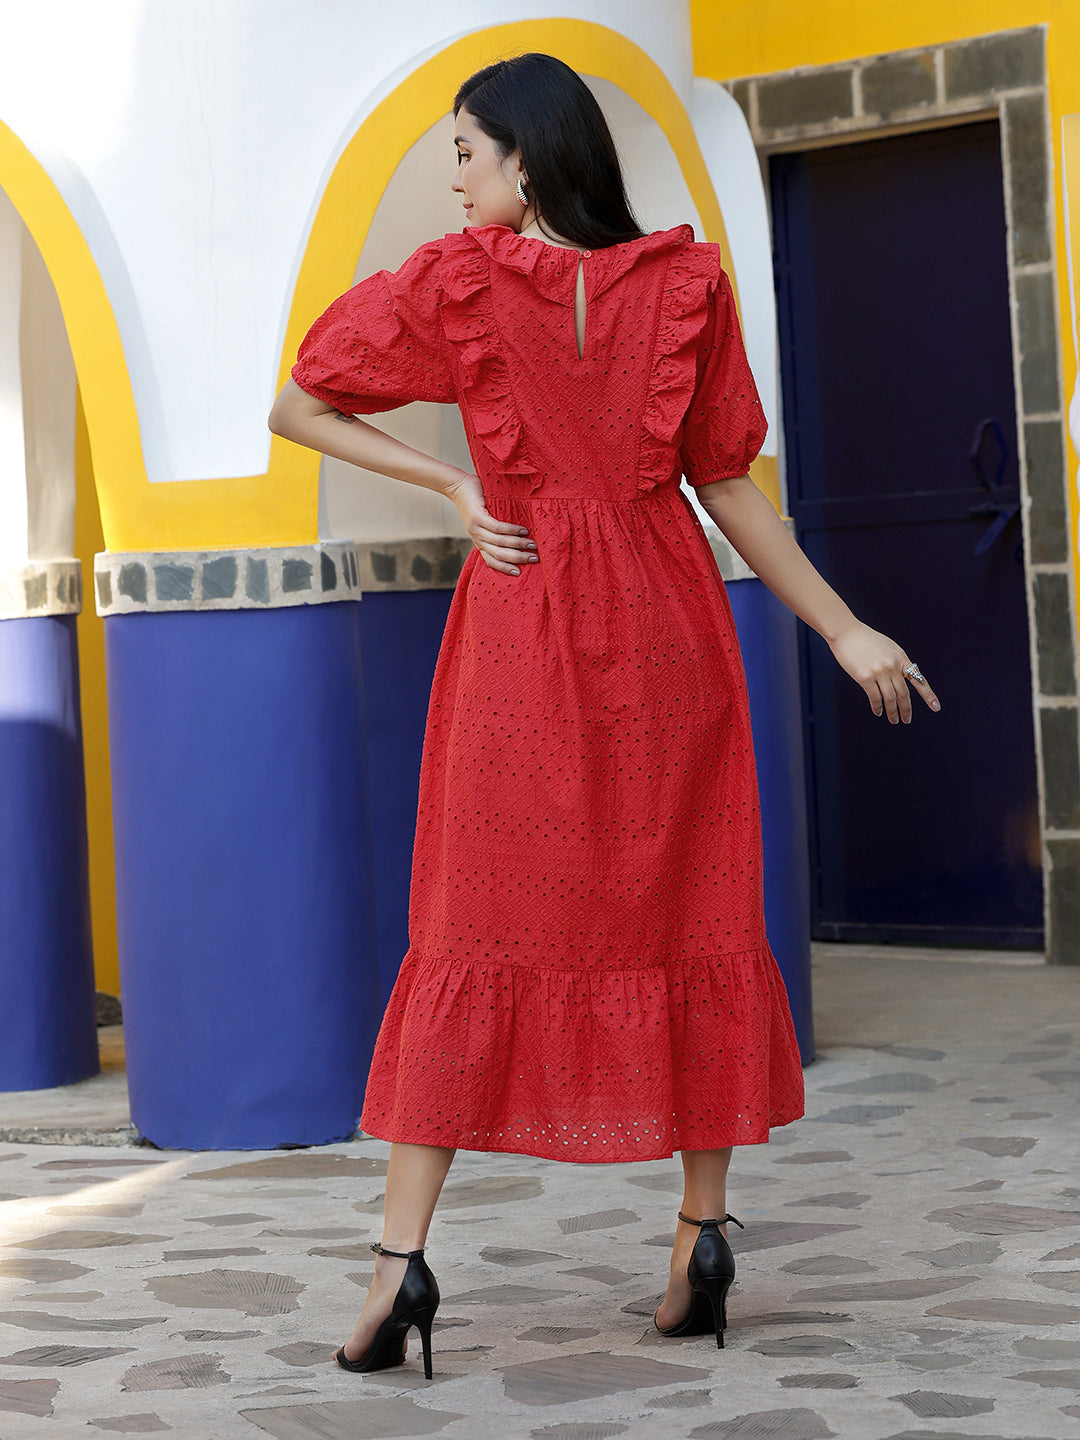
903 481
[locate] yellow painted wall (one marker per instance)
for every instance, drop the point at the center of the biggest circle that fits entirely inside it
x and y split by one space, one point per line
88 541
753 37
733 38
1070 169
1071 173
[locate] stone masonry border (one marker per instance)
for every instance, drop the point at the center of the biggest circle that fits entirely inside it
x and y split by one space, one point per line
163 580
263 579
424 564
41 587
435 564
272 577
1000 75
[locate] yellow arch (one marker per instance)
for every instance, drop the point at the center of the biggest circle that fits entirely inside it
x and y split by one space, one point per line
281 506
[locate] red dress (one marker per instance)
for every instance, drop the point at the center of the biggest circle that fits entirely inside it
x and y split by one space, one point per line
588 976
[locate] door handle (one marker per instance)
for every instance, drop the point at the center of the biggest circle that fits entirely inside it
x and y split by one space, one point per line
975 452
1003 515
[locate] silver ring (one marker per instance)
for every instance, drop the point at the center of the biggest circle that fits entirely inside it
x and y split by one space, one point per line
913 672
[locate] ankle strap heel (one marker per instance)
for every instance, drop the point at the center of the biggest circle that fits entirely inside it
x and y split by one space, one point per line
415 1303
710 1274
686 1220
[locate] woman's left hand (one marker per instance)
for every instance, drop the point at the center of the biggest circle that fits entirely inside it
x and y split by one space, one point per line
881 667
503 546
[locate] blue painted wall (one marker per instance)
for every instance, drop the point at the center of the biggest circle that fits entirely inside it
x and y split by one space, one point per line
48 1031
244 908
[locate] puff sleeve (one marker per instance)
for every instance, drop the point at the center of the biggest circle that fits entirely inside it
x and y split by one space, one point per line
381 344
725 425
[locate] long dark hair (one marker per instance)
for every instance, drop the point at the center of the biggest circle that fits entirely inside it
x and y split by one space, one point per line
537 104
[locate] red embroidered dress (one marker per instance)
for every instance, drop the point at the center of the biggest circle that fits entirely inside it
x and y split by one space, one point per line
588 975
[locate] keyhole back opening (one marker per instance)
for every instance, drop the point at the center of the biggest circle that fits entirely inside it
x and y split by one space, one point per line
579 309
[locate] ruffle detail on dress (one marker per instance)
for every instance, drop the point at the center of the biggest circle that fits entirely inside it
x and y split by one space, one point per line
586 1065
468 319
616 260
693 274
553 268
546 265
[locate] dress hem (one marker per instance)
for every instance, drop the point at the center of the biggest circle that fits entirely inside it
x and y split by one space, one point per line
650 1152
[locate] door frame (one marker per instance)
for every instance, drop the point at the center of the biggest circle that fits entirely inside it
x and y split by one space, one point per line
1003 76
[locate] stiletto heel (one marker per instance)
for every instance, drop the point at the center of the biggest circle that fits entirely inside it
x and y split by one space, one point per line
710 1273
715 1292
415 1303
423 1324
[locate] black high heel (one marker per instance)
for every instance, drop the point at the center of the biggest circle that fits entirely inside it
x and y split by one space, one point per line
710 1273
415 1303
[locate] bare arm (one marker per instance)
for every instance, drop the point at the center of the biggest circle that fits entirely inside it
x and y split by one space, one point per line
298 416
755 530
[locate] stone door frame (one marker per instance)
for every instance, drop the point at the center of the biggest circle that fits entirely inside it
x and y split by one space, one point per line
1002 76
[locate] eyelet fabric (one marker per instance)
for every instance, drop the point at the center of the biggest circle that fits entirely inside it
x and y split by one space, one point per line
588 975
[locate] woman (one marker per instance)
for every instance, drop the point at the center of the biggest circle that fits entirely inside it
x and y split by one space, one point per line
588 975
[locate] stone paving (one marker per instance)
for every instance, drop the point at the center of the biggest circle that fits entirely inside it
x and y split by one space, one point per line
909 1266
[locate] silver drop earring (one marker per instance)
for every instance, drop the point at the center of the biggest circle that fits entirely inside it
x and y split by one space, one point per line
521 192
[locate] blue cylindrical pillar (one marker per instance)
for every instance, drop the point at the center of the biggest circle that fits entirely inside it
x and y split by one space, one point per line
401 632
244 905
48 1032
768 637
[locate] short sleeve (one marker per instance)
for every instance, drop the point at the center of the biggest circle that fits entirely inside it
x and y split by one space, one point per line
381 344
725 425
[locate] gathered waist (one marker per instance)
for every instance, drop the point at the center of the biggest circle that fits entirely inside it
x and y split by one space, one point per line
609 541
662 496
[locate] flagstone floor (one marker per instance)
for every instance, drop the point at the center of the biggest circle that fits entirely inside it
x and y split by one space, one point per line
910 1265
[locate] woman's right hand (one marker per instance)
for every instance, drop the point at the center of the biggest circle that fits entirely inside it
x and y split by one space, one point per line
880 666
505 547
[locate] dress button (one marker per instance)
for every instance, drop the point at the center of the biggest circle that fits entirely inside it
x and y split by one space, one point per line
586 253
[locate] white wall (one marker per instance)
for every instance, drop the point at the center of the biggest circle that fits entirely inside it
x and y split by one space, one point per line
48 384
12 449
192 143
37 406
735 172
